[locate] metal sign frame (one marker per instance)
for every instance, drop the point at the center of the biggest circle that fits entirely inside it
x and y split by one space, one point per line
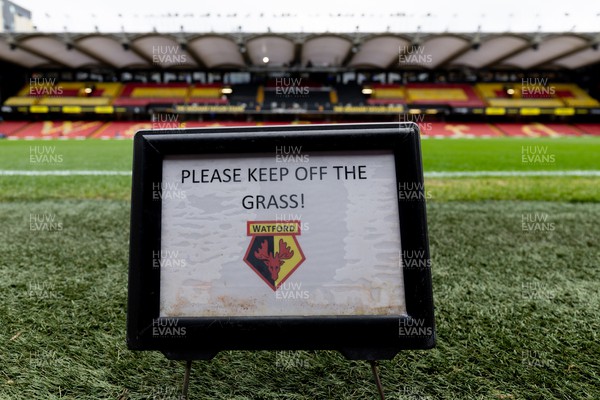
366 337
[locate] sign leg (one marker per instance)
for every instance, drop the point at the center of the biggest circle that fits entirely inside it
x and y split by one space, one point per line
186 380
377 380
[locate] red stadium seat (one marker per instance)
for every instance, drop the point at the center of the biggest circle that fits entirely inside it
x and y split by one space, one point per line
538 130
58 129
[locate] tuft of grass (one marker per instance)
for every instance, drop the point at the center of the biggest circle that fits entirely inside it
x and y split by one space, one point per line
517 312
39 188
532 188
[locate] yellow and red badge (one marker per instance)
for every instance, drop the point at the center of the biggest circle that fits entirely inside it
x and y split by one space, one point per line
274 252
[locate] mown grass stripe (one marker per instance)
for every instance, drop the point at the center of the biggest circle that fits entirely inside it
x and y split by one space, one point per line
64 173
429 174
476 174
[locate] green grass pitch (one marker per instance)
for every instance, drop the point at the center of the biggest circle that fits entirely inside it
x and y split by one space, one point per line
517 310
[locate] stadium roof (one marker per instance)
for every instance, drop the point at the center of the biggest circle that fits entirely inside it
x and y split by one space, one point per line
319 51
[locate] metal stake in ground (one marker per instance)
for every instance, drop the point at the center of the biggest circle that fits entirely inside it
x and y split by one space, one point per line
186 380
377 380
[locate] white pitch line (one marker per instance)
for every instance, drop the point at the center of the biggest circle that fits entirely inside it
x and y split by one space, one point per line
476 174
65 173
429 174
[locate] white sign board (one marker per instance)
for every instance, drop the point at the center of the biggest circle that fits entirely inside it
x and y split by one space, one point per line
289 234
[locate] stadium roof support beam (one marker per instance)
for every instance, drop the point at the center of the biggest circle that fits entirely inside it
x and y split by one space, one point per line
169 54
241 43
60 50
11 52
194 56
544 49
378 51
450 59
327 50
245 55
140 54
298 49
110 50
490 48
127 44
437 50
271 50
219 51
353 50
564 55
580 59
498 61
38 54
100 61
184 43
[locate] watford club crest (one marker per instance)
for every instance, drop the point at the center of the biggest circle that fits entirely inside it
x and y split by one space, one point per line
274 252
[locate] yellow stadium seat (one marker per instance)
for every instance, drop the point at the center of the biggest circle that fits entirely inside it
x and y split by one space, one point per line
208 92
388 93
153 92
436 94
75 101
21 101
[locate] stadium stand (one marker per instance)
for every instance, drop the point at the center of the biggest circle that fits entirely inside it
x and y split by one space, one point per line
126 129
551 95
589 129
8 128
442 94
144 94
300 96
574 96
295 94
444 109
65 94
120 130
350 94
244 94
458 129
149 94
538 130
57 129
29 95
386 94
207 94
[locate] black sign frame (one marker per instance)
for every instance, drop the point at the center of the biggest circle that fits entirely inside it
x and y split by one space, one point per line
365 337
